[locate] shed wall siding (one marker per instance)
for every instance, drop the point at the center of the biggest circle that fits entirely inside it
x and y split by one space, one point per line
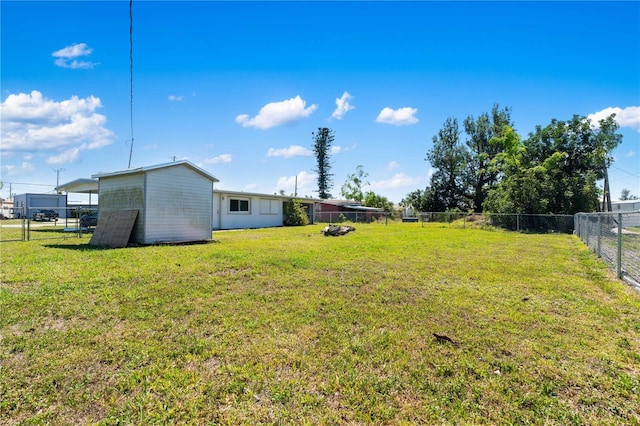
179 205
125 193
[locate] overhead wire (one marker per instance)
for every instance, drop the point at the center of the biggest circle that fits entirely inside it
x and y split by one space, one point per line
131 77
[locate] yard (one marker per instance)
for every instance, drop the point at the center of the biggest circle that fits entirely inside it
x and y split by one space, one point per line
285 326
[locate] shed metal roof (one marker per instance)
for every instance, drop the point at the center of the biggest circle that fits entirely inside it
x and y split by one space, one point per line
156 167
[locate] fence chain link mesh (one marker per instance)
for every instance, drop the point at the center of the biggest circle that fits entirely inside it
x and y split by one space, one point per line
614 237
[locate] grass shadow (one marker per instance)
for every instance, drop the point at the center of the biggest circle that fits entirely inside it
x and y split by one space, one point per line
78 247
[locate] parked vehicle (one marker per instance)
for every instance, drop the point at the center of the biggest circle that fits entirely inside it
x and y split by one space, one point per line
45 214
89 219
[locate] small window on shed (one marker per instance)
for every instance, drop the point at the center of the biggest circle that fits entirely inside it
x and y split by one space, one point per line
238 205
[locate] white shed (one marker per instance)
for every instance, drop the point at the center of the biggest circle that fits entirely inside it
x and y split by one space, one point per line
173 201
240 210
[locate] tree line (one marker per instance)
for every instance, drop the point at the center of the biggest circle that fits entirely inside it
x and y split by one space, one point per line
554 170
485 165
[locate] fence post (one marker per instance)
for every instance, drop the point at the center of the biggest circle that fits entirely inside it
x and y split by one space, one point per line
619 260
588 232
599 235
518 222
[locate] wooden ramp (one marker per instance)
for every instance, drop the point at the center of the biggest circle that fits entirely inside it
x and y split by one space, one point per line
114 228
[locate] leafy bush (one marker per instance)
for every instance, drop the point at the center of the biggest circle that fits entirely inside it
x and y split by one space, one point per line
295 214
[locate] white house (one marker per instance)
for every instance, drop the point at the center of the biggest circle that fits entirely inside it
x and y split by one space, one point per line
173 201
240 210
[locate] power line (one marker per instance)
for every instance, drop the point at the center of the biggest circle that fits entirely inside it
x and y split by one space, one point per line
131 76
624 171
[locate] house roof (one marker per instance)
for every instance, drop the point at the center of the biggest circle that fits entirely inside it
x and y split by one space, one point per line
352 205
255 194
82 185
185 163
614 202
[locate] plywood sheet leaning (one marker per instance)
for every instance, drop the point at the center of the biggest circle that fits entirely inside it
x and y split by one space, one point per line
114 228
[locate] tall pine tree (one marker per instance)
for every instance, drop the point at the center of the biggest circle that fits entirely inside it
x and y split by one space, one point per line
323 139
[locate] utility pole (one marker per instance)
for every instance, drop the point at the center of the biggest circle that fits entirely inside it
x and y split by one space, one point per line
58 178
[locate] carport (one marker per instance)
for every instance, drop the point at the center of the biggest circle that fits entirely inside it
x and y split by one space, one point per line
80 186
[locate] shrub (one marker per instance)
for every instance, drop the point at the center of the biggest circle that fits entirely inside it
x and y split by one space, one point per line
295 214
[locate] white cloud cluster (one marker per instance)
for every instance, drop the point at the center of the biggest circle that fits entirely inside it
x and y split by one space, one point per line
305 182
342 106
393 165
67 57
220 159
278 113
625 117
174 98
31 122
399 117
291 151
399 180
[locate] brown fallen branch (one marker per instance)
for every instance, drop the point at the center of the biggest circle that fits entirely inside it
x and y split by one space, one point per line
441 338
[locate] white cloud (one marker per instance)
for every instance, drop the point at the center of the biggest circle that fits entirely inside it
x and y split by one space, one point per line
336 149
291 151
342 106
625 117
31 122
69 156
10 170
66 57
174 98
399 180
399 117
631 154
305 181
392 165
277 113
220 159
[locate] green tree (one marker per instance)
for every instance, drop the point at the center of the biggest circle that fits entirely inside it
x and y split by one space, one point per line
586 155
449 157
625 194
423 200
482 150
352 187
323 140
295 214
371 199
555 170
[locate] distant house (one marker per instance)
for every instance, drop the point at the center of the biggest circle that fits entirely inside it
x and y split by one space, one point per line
627 206
173 201
338 210
25 205
240 210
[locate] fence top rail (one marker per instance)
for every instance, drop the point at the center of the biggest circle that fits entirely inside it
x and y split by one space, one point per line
498 214
623 212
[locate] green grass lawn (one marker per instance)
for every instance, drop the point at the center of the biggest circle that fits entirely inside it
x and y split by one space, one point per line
286 326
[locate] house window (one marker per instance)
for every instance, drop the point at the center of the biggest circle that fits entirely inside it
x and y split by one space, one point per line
238 205
269 206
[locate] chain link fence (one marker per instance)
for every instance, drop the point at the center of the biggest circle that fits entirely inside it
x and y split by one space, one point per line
614 237
42 223
519 222
356 217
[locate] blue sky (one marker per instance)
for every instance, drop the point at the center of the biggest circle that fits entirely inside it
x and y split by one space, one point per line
238 88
